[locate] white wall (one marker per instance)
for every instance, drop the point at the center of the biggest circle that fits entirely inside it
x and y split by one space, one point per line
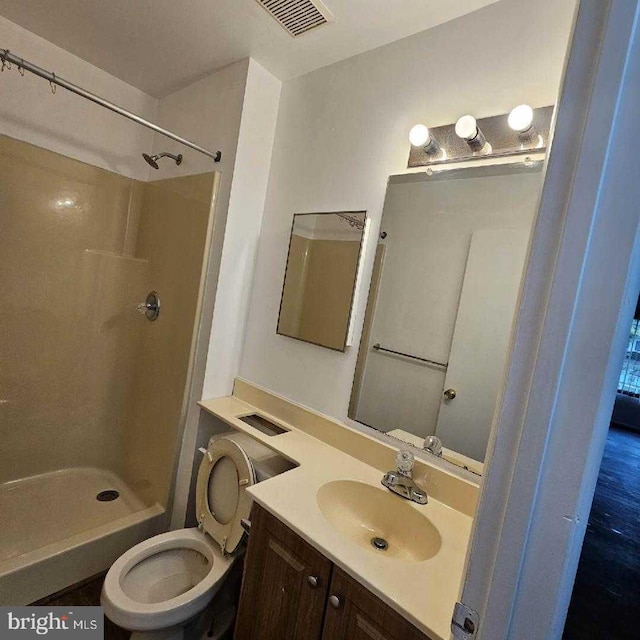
239 105
246 206
207 112
66 123
342 131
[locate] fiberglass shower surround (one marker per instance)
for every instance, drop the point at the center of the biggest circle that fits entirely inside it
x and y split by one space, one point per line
87 411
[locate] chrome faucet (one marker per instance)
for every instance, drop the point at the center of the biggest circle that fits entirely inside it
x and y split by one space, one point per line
401 481
433 445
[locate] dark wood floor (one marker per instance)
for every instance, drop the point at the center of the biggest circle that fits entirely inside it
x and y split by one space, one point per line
606 596
86 594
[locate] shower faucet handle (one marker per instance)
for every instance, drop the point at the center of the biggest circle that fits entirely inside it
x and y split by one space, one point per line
150 307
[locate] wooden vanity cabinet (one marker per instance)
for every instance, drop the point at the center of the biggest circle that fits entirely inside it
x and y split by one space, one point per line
285 584
354 613
290 591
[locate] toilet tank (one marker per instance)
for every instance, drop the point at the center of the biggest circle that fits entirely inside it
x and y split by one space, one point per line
266 462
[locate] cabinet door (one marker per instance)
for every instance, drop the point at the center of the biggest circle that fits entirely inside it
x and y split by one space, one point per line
285 584
359 615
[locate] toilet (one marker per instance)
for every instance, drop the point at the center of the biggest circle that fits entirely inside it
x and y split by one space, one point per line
164 583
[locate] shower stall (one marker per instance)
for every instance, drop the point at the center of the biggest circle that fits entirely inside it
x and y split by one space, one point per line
93 393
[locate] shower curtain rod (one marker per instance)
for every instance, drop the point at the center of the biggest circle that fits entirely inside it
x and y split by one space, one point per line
7 57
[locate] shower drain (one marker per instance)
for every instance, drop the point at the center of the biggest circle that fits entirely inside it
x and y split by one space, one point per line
379 543
107 496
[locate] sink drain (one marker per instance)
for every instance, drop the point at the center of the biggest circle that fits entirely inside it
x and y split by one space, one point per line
379 543
107 496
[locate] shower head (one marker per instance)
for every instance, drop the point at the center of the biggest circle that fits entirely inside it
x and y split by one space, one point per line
153 160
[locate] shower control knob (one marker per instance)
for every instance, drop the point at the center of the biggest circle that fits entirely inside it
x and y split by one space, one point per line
150 307
313 581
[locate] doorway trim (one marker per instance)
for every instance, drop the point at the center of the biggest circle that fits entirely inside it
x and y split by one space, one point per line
575 310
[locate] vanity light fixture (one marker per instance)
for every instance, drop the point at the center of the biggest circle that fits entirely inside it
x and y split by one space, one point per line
420 136
467 129
521 121
520 132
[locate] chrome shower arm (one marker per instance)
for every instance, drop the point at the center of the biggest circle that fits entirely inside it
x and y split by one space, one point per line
165 154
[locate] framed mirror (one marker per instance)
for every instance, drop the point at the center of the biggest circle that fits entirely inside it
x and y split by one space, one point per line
444 289
321 276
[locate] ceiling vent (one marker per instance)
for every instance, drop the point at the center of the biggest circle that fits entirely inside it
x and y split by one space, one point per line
298 16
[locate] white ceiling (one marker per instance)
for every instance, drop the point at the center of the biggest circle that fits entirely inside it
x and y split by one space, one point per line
162 45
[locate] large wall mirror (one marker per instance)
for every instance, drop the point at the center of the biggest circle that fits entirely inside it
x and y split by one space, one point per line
441 305
321 276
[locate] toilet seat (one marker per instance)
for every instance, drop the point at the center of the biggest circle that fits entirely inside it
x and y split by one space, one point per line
227 532
136 615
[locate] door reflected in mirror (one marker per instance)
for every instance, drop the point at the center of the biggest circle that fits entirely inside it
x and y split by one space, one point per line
441 304
321 276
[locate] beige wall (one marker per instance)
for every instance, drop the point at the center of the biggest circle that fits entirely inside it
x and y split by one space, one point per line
62 315
293 287
318 289
172 236
79 247
328 291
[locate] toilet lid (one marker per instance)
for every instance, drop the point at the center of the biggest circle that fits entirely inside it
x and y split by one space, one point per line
224 475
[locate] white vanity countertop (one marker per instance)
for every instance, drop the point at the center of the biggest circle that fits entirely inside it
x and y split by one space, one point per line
423 592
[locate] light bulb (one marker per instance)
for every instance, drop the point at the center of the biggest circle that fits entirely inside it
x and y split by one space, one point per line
419 135
521 118
467 127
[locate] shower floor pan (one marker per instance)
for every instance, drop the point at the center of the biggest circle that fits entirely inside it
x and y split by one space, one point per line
55 532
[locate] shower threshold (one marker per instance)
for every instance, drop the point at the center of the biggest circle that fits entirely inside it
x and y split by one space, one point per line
55 531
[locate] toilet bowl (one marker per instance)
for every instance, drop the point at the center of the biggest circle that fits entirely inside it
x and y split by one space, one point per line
163 583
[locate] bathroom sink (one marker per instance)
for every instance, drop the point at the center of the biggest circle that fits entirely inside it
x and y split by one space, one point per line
377 520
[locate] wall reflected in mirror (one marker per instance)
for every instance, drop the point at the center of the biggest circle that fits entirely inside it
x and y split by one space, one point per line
321 276
441 304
